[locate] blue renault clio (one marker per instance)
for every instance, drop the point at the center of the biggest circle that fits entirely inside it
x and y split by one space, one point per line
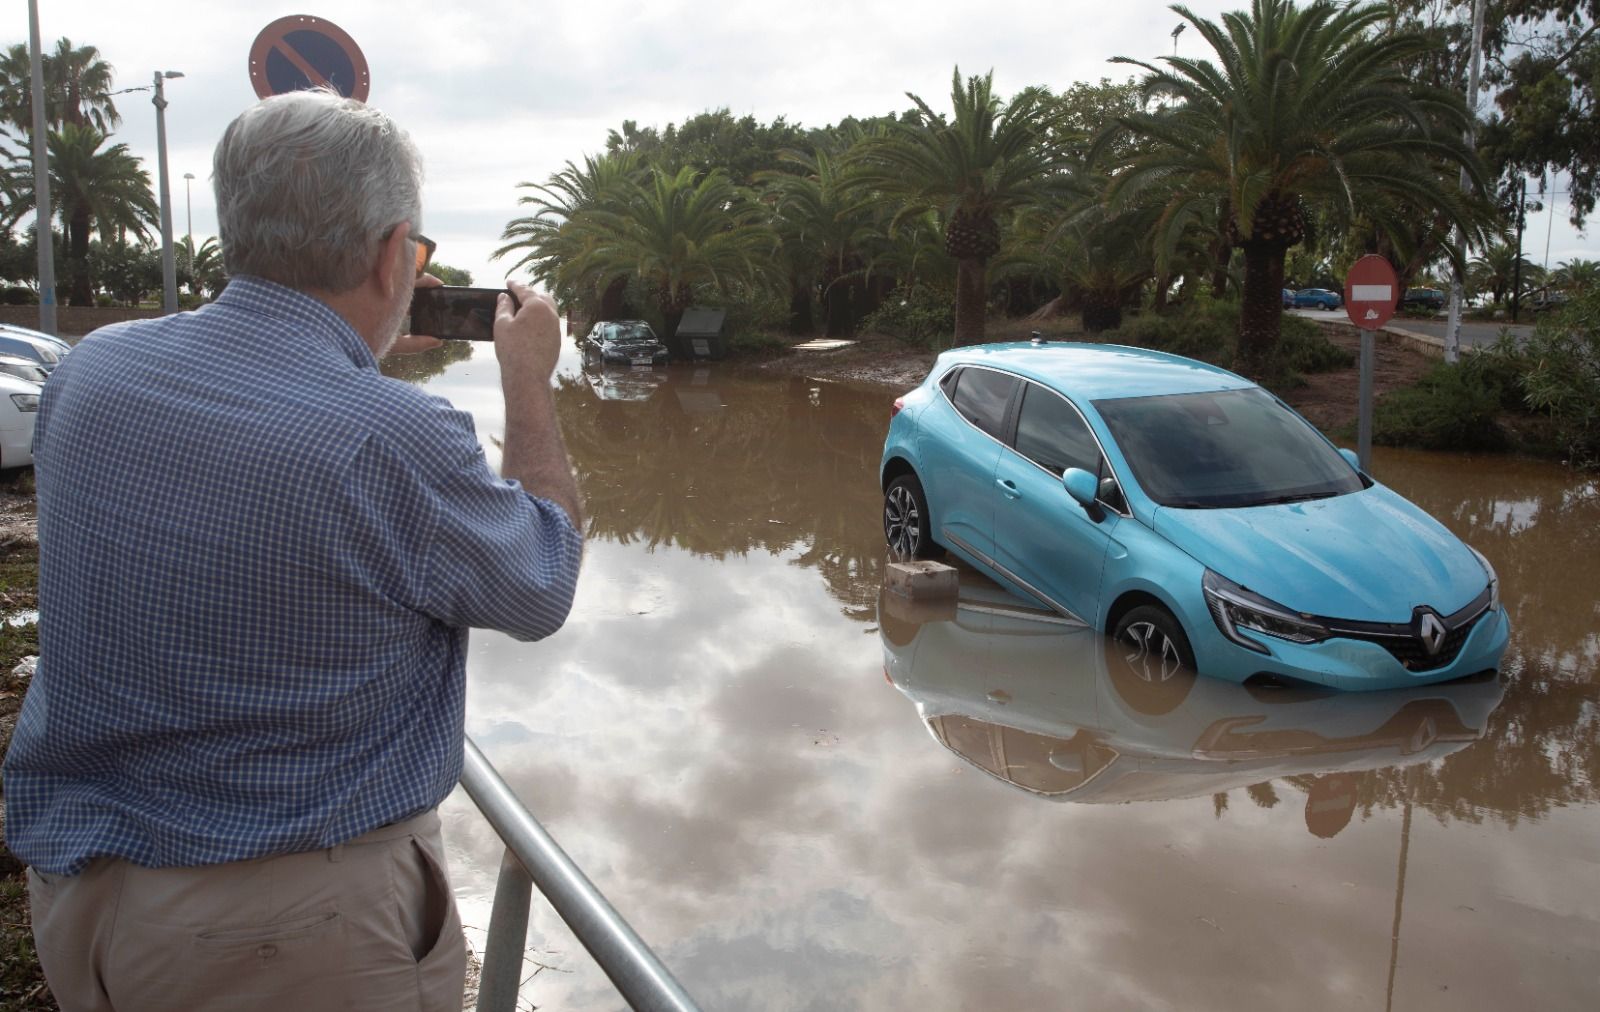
1186 512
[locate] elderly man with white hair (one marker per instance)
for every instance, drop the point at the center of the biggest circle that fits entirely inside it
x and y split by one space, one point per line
259 559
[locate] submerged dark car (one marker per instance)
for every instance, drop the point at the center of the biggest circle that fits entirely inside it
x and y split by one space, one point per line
624 342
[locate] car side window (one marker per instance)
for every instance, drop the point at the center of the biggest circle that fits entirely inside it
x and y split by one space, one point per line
981 396
1052 434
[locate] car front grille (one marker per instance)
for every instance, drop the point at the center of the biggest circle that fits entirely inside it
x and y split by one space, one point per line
1407 647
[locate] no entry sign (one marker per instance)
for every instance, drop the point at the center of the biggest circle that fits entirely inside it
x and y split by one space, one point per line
300 52
1370 292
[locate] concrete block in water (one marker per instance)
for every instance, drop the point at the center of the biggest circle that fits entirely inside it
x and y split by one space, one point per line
922 581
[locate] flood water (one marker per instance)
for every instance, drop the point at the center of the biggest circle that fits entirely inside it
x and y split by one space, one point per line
803 805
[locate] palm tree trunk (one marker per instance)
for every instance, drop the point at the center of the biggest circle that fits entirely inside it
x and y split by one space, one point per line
80 291
1101 311
1261 317
971 296
1159 302
800 321
836 299
614 300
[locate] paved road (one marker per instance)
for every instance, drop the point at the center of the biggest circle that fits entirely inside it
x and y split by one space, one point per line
1472 333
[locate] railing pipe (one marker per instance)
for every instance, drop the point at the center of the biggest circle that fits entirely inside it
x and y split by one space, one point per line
641 978
508 938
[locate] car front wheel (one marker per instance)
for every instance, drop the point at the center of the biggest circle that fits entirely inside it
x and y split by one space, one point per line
905 520
1153 644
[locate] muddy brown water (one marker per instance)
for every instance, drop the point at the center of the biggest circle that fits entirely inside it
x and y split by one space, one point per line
801 804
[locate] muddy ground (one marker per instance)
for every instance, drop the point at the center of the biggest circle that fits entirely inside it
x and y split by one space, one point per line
1330 400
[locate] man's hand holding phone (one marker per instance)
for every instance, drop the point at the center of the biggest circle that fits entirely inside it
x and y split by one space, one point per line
527 338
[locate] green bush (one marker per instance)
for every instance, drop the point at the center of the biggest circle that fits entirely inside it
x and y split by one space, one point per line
1453 407
18 295
1562 375
924 316
1209 331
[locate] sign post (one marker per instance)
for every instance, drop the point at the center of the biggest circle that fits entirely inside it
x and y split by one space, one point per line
300 52
1371 290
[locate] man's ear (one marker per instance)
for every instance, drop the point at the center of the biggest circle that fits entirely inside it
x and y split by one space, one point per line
385 269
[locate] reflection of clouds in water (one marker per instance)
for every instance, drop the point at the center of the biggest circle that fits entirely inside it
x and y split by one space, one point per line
876 871
719 751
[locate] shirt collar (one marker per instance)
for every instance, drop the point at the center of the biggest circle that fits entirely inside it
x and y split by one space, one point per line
268 298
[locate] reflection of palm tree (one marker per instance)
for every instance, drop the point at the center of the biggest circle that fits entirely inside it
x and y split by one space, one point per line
424 366
771 472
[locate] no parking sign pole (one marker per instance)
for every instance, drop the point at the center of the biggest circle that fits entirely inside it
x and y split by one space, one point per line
1370 292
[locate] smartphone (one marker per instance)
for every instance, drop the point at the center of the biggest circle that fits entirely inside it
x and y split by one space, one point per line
456 314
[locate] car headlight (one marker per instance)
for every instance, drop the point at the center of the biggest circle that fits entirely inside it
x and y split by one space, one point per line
26 402
1494 579
1235 608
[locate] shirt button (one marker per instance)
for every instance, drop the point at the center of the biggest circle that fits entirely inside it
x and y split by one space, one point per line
267 951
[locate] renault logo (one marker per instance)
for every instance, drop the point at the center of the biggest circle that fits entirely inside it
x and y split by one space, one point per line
1431 631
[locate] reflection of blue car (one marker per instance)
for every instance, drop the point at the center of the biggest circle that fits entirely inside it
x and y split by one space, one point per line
1170 502
1317 298
1066 714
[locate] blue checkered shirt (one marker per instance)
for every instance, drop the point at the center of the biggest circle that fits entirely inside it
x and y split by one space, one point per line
258 561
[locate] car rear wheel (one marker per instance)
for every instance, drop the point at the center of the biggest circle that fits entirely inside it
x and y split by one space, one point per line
1153 644
905 520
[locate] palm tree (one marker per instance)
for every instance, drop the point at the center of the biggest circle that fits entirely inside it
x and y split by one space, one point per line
77 85
202 267
1305 108
825 222
1577 275
94 190
1498 269
544 238
676 233
975 170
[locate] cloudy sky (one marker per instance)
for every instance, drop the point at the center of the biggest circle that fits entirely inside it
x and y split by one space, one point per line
497 92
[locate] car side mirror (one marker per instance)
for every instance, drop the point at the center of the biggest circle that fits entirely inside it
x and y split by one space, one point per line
1350 455
1081 485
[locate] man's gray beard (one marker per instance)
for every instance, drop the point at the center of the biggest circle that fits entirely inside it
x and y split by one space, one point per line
391 323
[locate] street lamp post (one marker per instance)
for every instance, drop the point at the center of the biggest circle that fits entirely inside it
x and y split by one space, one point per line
188 202
44 239
169 268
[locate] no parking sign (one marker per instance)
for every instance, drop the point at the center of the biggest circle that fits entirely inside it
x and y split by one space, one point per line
299 52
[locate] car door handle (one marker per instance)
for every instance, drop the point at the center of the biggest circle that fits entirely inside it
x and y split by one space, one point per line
1008 488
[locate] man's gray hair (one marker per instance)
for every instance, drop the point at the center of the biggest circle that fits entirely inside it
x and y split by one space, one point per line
308 184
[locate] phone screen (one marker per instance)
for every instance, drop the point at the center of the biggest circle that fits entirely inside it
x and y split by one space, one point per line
456 314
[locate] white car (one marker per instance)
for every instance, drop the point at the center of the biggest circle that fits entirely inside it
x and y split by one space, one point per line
23 368
33 344
19 409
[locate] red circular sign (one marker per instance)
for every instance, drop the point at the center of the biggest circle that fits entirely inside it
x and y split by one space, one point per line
300 52
1371 290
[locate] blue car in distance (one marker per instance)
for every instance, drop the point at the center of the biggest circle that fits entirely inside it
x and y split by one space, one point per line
1187 513
1317 298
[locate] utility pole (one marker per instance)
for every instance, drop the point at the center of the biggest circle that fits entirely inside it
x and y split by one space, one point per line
1452 330
169 268
1516 265
44 239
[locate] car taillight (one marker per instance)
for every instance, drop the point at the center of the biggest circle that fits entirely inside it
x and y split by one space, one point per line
899 402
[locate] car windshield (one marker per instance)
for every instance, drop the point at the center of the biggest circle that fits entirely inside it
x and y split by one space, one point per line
23 370
1225 449
631 333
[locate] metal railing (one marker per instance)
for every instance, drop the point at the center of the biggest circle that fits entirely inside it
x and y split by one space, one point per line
532 858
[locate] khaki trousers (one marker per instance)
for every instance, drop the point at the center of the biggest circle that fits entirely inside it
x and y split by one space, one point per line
368 925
